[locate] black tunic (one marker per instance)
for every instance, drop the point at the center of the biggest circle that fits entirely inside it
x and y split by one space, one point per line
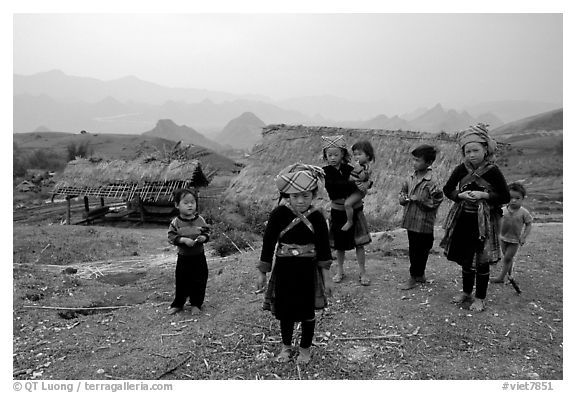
465 242
294 282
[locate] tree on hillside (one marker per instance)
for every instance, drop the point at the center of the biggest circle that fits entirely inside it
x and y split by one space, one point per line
82 149
18 161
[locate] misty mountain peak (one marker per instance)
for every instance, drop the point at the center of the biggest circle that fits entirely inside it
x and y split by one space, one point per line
166 123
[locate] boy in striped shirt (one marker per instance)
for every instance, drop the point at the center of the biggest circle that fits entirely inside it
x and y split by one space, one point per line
421 196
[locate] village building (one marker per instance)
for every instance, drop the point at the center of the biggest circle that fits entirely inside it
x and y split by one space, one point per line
145 184
286 144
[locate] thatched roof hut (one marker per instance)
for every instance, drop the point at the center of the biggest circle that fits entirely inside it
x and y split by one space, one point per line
286 144
149 178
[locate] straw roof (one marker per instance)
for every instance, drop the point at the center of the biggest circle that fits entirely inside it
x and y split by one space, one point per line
285 144
125 179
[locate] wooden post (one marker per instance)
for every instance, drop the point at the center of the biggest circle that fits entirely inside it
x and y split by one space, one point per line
140 208
86 204
68 220
102 202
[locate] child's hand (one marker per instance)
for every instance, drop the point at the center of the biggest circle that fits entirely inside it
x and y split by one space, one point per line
187 241
403 198
260 282
467 196
328 288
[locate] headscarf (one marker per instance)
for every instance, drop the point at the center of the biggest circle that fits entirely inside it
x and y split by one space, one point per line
478 133
298 178
333 141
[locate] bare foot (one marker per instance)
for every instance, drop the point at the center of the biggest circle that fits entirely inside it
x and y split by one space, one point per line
477 305
347 226
195 310
284 355
461 298
304 356
174 310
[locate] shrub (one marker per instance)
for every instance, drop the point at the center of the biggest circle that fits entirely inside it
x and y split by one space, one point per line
82 149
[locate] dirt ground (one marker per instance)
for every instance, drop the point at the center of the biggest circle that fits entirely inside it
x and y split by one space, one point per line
367 333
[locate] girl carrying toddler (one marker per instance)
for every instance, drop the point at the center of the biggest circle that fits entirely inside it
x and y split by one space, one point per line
340 186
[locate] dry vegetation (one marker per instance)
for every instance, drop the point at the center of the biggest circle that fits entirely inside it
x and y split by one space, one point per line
283 145
376 332
105 290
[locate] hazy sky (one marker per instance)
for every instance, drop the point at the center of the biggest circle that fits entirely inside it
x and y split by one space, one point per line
410 59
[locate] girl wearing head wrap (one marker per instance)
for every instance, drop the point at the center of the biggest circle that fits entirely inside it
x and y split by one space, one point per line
340 186
297 236
478 190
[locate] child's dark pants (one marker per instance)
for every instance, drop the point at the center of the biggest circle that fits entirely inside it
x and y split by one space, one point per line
419 246
191 278
287 330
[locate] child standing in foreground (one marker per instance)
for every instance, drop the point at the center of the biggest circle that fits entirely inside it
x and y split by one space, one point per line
339 187
478 190
363 155
189 232
297 234
516 226
421 197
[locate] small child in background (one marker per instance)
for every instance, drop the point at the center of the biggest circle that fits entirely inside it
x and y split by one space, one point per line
189 232
515 228
363 155
421 196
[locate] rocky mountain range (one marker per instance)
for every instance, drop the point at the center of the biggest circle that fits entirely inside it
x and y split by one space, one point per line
60 102
242 132
167 129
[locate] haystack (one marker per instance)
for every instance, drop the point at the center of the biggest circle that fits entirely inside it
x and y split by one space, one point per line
286 144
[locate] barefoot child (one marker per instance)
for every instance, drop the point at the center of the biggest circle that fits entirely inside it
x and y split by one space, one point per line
516 226
339 187
363 155
189 232
297 235
478 189
421 197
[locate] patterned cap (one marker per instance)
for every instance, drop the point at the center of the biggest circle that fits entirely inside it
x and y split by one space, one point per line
298 178
477 133
333 141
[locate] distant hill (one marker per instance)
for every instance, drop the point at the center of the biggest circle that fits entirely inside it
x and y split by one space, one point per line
438 119
333 109
116 146
69 88
129 105
113 116
511 110
434 120
167 129
386 123
242 132
547 121
540 135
